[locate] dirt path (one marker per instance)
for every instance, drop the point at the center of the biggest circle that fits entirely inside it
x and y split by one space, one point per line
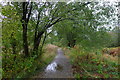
60 67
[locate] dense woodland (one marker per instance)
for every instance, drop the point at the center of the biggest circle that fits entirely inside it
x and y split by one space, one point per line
83 29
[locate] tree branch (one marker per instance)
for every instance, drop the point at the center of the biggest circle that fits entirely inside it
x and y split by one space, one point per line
29 12
58 20
26 6
37 26
77 8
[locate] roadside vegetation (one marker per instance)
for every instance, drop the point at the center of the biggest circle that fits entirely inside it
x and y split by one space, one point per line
94 64
21 67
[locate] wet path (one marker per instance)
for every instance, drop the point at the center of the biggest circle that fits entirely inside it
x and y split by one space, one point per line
60 67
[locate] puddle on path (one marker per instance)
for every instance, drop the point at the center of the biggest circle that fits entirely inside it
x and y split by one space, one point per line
59 67
51 67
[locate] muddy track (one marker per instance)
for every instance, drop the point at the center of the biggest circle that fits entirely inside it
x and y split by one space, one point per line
60 67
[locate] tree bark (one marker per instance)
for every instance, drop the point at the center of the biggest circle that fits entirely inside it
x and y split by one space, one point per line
44 40
25 42
25 20
37 42
14 46
36 45
71 39
71 43
36 29
13 43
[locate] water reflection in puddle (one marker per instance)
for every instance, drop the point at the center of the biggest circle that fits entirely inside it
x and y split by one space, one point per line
51 67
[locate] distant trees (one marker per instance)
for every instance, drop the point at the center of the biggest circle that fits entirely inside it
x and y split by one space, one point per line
84 29
115 37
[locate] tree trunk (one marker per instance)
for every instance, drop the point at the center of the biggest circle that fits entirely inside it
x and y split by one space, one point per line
71 43
71 39
13 43
36 45
68 44
14 46
37 42
44 40
25 42
24 24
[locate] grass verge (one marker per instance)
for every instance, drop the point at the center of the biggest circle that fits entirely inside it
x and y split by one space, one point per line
92 65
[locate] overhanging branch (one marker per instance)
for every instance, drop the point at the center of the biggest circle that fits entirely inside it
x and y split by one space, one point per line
29 12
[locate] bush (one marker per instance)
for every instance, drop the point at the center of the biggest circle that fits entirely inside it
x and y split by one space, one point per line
16 66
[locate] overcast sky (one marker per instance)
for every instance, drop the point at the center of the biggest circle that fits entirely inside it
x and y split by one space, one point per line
55 0
111 2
